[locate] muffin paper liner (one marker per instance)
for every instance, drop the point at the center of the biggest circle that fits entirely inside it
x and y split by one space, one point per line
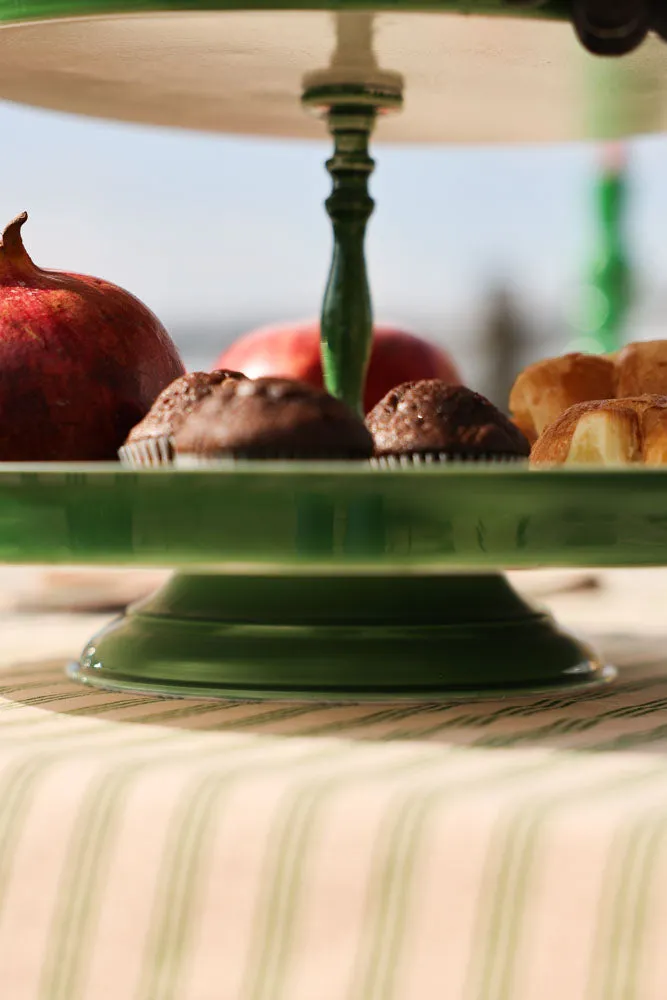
202 461
147 454
190 461
156 452
439 458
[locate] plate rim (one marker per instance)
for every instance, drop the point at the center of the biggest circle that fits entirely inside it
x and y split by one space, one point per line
29 11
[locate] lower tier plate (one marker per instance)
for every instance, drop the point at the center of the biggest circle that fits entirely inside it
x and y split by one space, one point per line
336 519
336 638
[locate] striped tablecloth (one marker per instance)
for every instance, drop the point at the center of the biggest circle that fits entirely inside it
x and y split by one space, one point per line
189 850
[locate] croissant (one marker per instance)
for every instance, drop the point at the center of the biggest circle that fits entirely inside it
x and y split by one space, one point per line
608 432
546 389
642 368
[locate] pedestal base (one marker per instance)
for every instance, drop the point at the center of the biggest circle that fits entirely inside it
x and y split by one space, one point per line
335 638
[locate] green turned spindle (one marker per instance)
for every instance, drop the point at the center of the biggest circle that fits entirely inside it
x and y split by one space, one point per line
351 110
347 313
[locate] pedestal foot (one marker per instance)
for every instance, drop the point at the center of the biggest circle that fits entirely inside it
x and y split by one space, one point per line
336 637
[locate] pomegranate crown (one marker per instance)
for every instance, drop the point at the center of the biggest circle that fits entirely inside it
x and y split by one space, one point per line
11 242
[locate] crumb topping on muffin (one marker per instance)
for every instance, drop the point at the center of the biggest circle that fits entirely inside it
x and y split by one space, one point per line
177 401
433 417
273 418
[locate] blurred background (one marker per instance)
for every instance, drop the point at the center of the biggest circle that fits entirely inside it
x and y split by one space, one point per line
486 251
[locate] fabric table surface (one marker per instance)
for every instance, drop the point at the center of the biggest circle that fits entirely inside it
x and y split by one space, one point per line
511 849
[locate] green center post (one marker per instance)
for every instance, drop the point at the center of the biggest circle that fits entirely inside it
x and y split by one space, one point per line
351 111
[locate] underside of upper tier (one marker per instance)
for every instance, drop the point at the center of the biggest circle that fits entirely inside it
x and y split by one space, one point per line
466 79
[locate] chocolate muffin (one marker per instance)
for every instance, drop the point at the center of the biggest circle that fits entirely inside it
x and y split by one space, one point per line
271 418
434 421
149 442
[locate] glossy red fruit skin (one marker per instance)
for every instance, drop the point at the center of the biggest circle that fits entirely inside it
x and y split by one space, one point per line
293 350
81 361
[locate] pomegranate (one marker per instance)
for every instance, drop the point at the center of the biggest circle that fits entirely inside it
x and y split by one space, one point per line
81 360
293 351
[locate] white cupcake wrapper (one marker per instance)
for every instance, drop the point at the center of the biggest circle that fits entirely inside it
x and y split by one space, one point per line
201 461
158 452
191 461
441 458
150 453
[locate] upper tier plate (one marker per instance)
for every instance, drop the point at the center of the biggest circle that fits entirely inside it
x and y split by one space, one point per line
333 518
467 79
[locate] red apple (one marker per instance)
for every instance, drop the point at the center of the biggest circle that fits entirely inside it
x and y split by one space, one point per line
292 350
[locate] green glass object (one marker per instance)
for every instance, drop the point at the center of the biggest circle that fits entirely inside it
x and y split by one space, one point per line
358 637
609 289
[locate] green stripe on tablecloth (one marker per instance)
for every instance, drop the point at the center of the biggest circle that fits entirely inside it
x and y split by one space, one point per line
88 714
183 868
619 689
557 728
176 713
377 716
473 713
97 703
286 868
18 787
287 860
623 915
90 731
18 784
16 674
82 881
372 978
73 692
94 708
261 716
563 725
181 882
628 909
483 717
399 842
39 682
508 881
631 740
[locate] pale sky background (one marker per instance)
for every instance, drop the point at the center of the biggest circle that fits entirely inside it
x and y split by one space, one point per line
216 233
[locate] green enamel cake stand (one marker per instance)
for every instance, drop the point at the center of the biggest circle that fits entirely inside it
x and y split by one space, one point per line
340 581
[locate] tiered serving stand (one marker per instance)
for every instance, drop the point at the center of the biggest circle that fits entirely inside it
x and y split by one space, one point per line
339 581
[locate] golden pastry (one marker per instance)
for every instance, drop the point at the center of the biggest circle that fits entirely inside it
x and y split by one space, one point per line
546 389
608 432
642 368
